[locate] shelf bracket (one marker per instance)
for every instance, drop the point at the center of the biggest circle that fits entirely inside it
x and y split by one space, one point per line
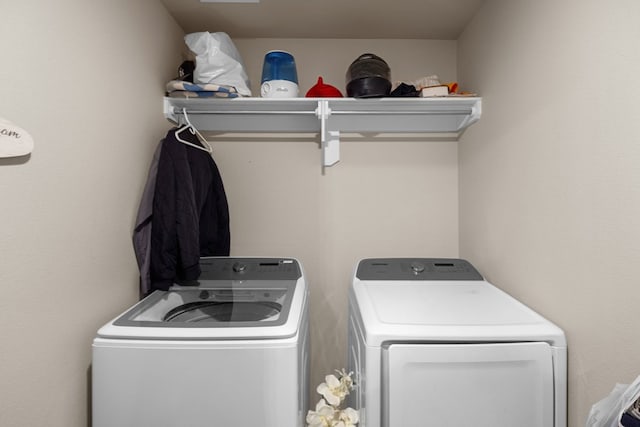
169 111
331 149
329 140
474 116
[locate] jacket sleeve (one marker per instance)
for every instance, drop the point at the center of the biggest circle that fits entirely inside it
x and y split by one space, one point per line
142 231
174 231
215 236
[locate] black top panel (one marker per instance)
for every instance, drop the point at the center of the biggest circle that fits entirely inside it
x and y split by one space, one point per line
249 269
416 269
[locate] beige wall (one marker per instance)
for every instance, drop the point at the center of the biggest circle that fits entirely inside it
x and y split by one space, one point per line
548 182
384 198
550 176
86 80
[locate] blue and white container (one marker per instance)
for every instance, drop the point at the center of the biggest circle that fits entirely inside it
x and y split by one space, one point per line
279 75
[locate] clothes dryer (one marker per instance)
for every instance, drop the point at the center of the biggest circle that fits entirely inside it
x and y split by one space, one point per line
229 350
431 343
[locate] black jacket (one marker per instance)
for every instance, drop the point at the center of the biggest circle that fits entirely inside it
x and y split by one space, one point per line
190 212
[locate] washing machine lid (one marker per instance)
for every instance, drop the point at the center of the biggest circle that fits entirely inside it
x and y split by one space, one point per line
417 300
234 298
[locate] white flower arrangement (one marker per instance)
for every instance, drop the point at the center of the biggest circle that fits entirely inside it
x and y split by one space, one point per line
328 412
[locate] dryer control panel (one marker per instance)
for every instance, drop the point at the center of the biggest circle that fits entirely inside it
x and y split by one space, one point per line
416 269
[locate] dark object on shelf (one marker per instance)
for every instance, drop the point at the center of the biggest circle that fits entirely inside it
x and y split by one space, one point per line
185 71
405 90
368 76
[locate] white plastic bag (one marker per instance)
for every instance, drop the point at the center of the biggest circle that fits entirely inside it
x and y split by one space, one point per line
218 61
607 412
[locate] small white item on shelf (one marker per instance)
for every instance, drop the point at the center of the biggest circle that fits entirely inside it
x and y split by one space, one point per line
426 81
14 141
439 90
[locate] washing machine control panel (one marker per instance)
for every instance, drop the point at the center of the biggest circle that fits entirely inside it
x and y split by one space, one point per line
225 268
416 269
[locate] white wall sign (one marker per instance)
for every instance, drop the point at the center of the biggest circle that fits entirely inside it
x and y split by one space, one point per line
14 141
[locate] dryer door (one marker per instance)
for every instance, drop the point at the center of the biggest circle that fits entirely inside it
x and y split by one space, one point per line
480 385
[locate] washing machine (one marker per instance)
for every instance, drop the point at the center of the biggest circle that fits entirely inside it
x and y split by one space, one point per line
431 343
230 349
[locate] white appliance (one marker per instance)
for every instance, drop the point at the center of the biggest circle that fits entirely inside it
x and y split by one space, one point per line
279 75
431 343
232 350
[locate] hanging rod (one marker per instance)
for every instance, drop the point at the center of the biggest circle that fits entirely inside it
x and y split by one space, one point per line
404 113
254 112
333 112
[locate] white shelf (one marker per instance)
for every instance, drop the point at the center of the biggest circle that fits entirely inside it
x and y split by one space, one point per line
328 116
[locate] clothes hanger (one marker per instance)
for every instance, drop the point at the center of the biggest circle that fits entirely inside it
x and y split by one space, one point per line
194 131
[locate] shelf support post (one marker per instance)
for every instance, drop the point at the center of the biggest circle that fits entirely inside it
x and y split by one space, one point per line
329 140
